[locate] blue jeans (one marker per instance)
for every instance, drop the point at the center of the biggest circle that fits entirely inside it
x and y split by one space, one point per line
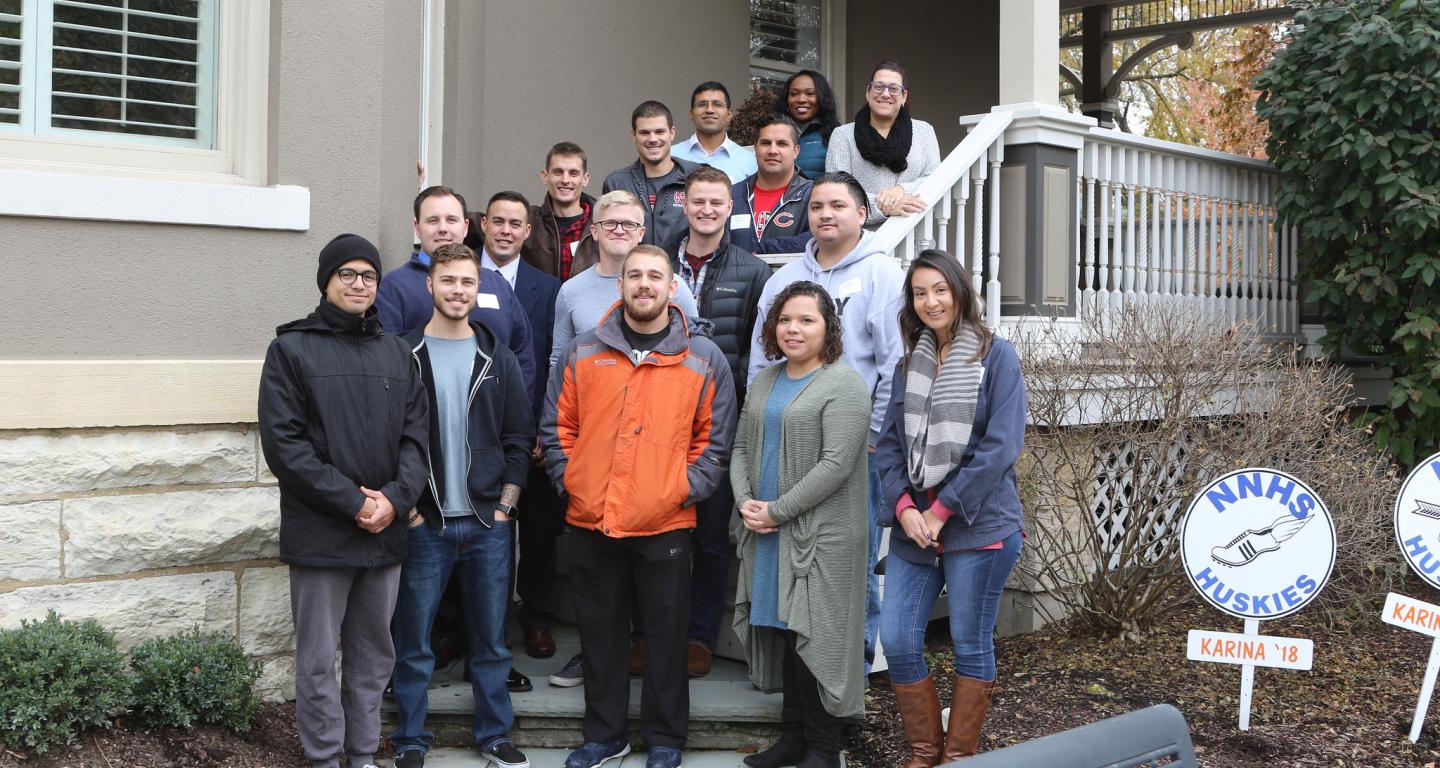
974 580
872 581
482 557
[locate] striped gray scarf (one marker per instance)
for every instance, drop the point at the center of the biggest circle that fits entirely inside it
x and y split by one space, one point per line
940 412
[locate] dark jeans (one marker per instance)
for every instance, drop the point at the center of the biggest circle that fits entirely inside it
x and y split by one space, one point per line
711 564
541 521
605 575
480 558
350 606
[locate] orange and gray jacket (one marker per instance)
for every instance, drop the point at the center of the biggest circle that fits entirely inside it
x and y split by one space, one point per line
634 444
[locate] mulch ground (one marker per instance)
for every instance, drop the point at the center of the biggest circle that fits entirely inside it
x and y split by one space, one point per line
1352 709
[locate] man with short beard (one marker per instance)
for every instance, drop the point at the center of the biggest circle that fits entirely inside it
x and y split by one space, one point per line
481 435
343 426
638 424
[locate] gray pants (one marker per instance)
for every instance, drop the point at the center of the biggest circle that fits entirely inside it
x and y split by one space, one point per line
351 606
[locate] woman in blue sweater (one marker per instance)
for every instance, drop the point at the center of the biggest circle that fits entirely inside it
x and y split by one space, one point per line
811 104
947 452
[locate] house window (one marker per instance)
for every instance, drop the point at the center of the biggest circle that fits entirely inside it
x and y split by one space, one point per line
785 37
131 70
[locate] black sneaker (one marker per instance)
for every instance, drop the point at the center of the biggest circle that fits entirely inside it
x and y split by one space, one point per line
410 758
504 755
517 683
571 675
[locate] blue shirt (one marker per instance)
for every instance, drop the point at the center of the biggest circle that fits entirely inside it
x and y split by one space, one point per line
765 594
736 161
451 360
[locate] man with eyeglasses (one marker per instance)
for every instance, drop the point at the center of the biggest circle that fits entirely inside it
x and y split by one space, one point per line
710 145
618 226
656 179
344 425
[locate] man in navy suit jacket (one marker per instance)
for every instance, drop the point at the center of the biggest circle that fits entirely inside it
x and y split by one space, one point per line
504 226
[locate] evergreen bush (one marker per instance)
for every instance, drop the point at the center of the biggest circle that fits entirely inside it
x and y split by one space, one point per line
194 678
58 678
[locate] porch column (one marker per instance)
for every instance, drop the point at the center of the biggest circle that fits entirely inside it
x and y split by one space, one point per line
1030 51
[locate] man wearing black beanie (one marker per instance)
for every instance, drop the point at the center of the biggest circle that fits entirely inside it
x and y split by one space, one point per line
344 425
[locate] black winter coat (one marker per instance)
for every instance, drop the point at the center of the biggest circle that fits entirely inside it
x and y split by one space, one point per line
501 428
341 406
729 299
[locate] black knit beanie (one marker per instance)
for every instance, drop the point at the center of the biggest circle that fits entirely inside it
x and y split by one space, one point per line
343 248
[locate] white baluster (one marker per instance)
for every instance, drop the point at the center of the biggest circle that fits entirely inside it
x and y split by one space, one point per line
1088 264
992 308
942 220
1147 178
961 191
1132 158
1227 243
978 173
1103 280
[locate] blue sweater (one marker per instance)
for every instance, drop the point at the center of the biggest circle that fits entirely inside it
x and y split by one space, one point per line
404 304
811 161
982 490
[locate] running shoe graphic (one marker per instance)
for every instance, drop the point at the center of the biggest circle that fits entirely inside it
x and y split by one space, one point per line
1243 549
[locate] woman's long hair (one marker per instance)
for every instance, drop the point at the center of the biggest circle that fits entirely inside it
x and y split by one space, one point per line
825 110
967 302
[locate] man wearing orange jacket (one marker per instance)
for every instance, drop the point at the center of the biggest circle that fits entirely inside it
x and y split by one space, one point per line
638 422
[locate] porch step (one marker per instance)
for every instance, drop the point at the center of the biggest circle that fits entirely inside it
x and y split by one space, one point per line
554 758
726 712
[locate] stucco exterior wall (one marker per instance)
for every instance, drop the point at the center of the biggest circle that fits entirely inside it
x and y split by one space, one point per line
522 76
344 124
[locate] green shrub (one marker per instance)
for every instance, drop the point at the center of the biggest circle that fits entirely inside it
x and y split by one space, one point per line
1348 102
194 678
58 678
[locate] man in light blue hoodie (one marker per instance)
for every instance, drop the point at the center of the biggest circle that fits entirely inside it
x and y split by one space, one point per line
866 284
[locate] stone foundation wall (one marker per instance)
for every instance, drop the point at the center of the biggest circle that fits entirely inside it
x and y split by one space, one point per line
150 532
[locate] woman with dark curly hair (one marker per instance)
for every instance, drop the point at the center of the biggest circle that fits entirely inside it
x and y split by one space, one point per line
811 104
798 471
952 433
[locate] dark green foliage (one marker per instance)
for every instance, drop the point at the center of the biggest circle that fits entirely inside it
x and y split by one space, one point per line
194 678
1353 102
58 678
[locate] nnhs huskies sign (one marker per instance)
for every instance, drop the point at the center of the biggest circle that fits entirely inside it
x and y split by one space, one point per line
1417 520
1257 544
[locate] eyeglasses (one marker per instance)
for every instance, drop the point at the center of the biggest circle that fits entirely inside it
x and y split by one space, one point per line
610 225
709 104
347 276
894 89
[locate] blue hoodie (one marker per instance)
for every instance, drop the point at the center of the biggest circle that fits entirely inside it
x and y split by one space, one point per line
866 285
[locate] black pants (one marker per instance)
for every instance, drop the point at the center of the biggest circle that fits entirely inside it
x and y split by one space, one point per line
605 573
711 564
540 524
801 706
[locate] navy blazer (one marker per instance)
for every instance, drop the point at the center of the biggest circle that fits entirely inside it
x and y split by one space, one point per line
536 292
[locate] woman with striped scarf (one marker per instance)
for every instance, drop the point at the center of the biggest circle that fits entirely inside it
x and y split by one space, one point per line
947 452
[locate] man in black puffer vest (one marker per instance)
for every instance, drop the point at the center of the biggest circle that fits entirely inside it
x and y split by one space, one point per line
344 425
727 281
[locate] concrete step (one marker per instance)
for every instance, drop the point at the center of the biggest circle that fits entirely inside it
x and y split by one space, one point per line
726 712
555 758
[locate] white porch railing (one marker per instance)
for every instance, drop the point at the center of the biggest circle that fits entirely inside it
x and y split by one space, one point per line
1161 221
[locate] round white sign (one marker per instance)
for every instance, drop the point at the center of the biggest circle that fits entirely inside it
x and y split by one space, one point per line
1417 519
1257 544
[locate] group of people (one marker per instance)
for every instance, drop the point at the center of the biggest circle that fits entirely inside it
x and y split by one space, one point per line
628 368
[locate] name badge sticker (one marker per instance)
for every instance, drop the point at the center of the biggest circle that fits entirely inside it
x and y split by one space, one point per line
740 221
849 288
487 301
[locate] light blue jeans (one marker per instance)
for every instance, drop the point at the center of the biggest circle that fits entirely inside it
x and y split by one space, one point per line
482 557
974 580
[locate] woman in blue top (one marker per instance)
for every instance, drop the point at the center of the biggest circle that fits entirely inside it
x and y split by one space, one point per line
811 104
798 472
947 452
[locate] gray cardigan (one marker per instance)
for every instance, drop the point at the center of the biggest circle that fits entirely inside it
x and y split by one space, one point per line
924 157
823 519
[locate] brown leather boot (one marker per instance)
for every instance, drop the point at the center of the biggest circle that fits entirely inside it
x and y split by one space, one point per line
920 713
967 714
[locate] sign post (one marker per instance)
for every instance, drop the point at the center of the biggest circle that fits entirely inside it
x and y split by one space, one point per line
1417 530
1256 544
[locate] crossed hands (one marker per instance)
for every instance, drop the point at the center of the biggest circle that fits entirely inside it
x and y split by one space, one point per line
922 528
756 516
894 201
377 513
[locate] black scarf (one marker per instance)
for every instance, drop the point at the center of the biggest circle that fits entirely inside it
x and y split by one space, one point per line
888 151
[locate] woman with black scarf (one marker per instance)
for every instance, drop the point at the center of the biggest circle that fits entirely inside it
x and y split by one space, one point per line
889 152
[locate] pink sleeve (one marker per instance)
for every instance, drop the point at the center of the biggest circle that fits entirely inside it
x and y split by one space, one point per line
903 504
941 511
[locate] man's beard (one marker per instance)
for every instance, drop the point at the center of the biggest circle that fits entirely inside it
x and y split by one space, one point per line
645 316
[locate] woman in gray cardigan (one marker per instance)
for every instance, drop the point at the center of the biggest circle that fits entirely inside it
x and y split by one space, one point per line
798 471
888 151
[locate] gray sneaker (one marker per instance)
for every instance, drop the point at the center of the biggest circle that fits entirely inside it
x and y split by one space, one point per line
571 675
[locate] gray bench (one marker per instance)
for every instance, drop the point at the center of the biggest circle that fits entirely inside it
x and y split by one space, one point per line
1155 736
